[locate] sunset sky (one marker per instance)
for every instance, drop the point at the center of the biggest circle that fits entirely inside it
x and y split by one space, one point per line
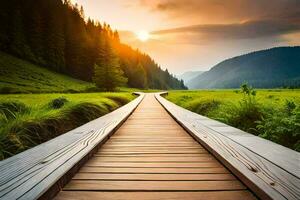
197 34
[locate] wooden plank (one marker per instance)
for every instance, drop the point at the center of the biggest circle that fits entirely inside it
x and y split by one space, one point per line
91 185
30 174
224 195
151 147
154 177
153 151
205 157
204 170
153 140
139 142
153 164
270 170
152 155
157 145
141 137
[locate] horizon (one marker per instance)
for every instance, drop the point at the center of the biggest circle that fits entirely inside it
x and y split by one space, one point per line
203 39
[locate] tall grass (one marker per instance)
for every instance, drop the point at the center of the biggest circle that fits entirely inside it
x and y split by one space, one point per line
273 115
24 126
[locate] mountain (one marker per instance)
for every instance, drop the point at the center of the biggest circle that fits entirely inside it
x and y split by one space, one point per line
54 34
271 68
187 76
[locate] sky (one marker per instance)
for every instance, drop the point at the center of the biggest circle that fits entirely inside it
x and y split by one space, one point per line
188 35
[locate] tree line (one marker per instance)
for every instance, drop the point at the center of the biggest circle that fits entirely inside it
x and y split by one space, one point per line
55 34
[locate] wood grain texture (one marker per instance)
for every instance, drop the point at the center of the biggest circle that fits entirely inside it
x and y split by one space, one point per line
151 152
90 185
30 174
154 177
158 170
270 170
216 195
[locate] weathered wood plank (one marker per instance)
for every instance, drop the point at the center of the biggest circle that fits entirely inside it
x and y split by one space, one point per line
150 148
152 155
90 185
155 151
205 157
270 170
154 177
128 170
153 164
224 195
137 144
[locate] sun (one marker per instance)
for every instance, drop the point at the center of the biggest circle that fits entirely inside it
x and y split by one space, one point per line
143 35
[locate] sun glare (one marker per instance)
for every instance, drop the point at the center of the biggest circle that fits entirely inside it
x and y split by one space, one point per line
143 35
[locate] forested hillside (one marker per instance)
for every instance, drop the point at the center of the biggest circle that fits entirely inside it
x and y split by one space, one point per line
55 34
271 68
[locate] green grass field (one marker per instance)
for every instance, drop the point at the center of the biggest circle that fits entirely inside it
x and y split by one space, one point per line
19 76
30 119
271 114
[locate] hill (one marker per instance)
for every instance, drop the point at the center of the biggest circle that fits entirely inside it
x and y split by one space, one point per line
19 76
271 68
189 75
55 34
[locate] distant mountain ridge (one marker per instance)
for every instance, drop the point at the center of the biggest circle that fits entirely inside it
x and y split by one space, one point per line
275 67
187 76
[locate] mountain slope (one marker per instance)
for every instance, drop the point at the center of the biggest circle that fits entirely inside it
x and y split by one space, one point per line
270 68
189 75
19 76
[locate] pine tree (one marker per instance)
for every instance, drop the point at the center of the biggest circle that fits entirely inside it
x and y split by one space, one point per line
107 72
140 77
18 43
35 34
55 41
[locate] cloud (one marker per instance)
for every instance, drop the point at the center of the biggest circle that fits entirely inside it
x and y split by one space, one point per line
220 11
245 30
230 19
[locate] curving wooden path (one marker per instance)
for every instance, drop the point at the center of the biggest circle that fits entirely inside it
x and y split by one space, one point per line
152 157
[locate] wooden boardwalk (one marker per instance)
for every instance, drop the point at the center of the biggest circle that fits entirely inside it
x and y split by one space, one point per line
151 157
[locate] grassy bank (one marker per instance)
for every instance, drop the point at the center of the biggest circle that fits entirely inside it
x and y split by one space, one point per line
271 114
19 76
30 119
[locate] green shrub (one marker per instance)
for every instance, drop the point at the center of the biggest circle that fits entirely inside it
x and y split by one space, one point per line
282 126
242 116
58 102
204 107
245 114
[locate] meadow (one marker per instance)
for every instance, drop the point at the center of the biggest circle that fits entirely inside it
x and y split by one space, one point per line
271 114
30 119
